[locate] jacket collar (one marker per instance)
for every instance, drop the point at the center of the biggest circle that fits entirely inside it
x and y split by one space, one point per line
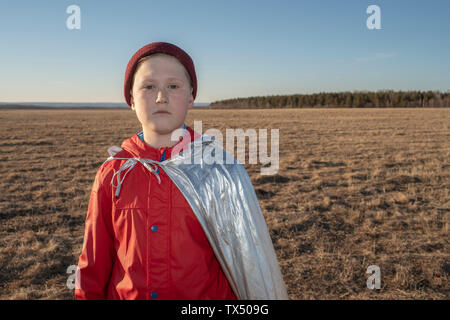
140 149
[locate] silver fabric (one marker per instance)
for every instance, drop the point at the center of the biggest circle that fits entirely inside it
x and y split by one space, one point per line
223 199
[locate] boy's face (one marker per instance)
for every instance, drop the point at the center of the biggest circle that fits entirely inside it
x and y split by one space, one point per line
161 94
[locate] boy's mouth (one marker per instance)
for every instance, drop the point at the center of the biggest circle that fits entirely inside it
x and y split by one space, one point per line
161 112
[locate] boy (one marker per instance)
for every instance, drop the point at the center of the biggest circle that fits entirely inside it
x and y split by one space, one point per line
173 229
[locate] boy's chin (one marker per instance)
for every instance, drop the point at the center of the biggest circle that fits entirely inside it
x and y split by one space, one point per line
163 129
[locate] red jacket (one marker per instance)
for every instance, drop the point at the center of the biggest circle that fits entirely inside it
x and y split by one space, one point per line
146 243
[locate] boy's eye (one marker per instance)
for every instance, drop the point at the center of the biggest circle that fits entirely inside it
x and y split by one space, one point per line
171 86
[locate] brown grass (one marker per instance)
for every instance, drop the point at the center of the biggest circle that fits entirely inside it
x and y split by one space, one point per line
356 187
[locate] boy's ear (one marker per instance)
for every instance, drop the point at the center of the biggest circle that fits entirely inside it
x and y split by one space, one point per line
191 99
132 100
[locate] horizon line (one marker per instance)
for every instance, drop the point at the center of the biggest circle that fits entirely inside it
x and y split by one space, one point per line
75 102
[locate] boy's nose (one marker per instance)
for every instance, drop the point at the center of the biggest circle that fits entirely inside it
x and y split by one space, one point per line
162 97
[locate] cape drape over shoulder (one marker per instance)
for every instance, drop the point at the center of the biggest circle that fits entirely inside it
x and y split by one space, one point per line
222 198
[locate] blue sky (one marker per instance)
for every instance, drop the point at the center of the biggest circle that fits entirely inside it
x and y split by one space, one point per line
241 48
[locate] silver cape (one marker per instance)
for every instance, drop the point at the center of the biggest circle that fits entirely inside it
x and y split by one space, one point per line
222 198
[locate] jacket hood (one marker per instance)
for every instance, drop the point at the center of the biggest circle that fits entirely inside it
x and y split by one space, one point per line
140 149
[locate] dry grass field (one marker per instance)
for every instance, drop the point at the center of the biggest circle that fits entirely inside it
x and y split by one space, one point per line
355 187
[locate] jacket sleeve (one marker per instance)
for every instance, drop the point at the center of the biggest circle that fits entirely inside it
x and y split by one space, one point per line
96 260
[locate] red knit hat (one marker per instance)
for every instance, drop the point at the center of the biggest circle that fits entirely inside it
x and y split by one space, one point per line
159 47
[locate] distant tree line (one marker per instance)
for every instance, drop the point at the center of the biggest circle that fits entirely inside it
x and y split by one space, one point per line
356 99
